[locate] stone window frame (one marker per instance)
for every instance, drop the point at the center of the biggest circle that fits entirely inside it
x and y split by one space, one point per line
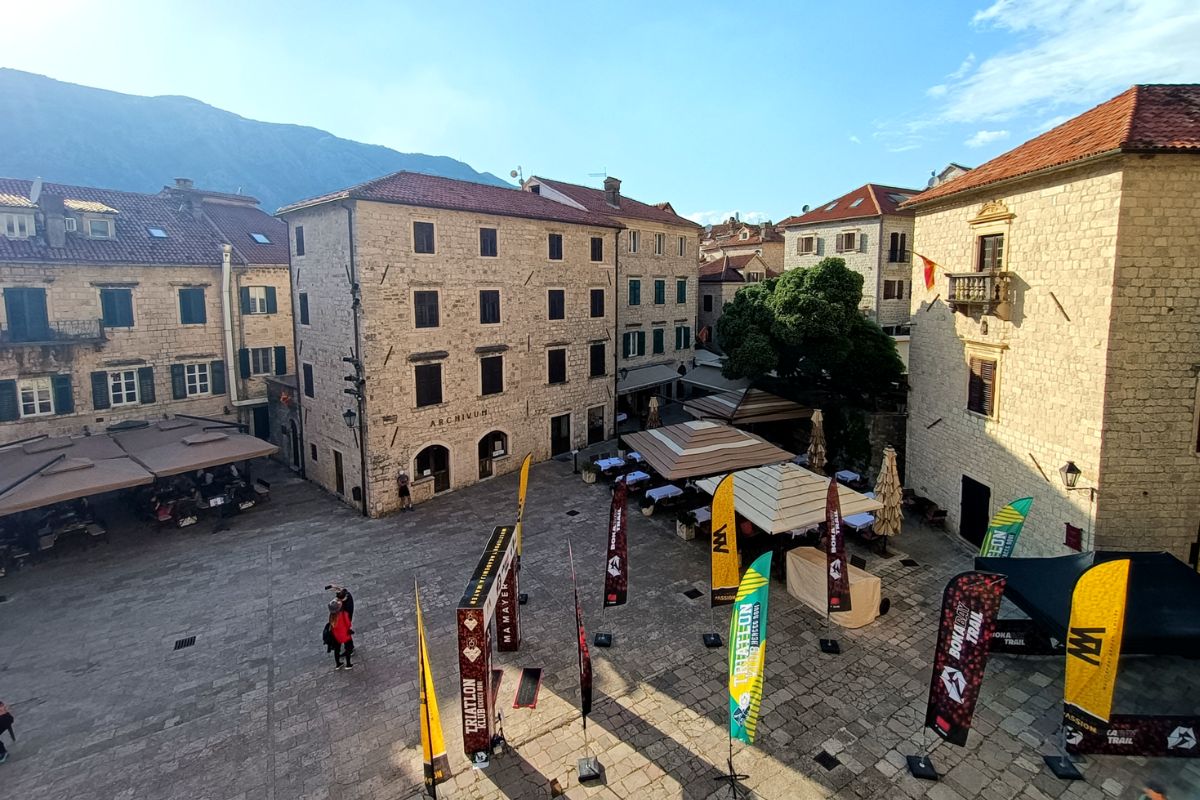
629 294
658 340
413 230
660 243
563 290
36 384
707 303
120 387
682 246
812 251
262 361
591 351
503 374
681 282
566 365
840 240
562 246
499 305
993 218
987 351
133 314
660 283
412 296
441 383
634 242
592 249
603 302
496 241
197 376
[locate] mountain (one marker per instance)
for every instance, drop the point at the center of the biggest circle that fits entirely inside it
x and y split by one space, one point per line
68 133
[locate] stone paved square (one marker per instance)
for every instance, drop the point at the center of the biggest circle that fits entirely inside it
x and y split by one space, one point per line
106 709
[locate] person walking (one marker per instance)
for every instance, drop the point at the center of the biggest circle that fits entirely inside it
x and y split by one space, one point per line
341 635
6 724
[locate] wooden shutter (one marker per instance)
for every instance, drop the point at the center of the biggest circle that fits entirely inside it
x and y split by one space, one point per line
659 337
281 360
244 294
641 338
216 376
64 397
975 388
272 301
304 308
981 389
988 375
626 341
9 408
178 382
100 400
244 362
146 384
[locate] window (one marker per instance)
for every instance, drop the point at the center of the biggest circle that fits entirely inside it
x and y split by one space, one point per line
489 306
556 365
261 238
312 451
491 371
116 307
300 252
556 300
100 228
660 243
429 384
423 237
597 360
425 309
856 203
304 308
708 302
681 290
554 242
981 388
754 277
683 245
597 248
308 380
683 337
991 253
70 224
122 387
806 245
597 297
261 360
660 292
157 233
36 397
898 248
831 206
847 242
17 226
255 300
635 291
658 338
487 243
893 290
196 376
191 306
635 238
633 343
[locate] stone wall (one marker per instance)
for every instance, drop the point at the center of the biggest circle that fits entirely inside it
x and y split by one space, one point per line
896 312
722 292
647 267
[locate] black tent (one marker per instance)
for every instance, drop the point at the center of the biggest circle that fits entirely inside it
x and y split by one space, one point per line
1162 611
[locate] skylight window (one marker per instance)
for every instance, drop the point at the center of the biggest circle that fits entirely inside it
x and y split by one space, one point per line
260 238
157 233
856 203
831 206
898 198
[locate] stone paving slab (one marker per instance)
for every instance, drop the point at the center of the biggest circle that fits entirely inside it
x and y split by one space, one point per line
107 709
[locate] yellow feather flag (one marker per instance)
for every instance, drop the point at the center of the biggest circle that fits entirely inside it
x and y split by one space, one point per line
433 745
1094 644
521 499
725 567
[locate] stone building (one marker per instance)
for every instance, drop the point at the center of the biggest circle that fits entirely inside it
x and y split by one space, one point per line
736 238
656 275
873 235
119 305
1061 340
480 320
720 280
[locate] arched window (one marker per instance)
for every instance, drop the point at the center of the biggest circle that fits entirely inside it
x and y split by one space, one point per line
491 446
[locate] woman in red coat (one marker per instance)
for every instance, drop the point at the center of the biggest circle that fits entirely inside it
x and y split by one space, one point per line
341 635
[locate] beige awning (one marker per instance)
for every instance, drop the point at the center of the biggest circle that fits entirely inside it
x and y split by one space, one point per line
694 449
708 376
745 407
785 497
55 469
175 446
645 377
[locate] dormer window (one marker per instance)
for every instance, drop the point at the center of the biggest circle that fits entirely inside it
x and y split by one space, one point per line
745 235
261 238
99 229
70 224
17 226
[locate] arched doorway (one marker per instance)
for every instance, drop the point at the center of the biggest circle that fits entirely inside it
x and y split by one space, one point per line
434 462
494 445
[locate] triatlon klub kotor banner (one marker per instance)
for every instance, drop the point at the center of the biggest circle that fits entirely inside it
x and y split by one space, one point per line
725 567
585 658
524 485
969 606
433 744
616 565
836 568
747 649
1005 527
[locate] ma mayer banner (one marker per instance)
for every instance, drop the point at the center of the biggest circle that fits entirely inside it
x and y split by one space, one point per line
725 568
616 566
837 569
969 607
1005 527
433 745
521 501
585 658
747 649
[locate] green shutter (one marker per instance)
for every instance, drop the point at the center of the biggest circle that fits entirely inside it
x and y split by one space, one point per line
9 409
100 390
304 308
281 360
659 343
660 292
146 384
178 382
244 294
216 376
641 337
108 308
64 397
626 340
681 291
272 303
244 362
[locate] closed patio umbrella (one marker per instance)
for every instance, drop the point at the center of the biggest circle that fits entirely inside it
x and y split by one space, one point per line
816 444
652 419
888 492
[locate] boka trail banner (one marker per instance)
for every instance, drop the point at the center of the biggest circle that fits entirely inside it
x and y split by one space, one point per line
585 658
747 649
1002 532
616 565
837 570
1094 645
433 745
725 567
524 485
969 607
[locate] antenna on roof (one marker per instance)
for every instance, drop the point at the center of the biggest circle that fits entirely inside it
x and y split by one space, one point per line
804 210
35 190
517 173
602 174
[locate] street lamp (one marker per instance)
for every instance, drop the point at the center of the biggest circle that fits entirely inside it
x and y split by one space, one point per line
1070 474
349 416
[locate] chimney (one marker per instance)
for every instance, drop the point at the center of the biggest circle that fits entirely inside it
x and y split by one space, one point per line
183 183
54 218
612 192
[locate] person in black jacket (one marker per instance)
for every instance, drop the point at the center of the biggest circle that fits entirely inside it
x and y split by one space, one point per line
344 597
6 724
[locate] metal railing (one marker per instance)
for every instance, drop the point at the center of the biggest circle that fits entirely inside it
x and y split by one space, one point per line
899 256
62 331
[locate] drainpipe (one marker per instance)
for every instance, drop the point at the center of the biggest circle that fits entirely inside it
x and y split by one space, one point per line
355 311
294 290
231 376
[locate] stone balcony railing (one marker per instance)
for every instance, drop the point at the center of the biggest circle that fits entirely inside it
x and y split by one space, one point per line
57 332
985 291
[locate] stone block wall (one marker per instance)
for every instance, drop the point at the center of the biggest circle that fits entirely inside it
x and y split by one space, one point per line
896 312
722 293
647 267
864 259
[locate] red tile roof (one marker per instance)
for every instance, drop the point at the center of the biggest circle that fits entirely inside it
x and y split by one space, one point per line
728 269
870 200
593 200
429 191
190 240
1147 117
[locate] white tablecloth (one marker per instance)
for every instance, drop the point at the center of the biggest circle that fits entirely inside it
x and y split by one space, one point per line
846 475
806 582
634 455
637 476
610 463
663 492
702 515
859 521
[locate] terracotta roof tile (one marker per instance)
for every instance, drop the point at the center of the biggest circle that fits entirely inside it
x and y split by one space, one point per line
870 200
1155 117
593 200
728 269
239 223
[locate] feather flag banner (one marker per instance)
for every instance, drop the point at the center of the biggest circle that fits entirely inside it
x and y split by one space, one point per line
433 745
747 649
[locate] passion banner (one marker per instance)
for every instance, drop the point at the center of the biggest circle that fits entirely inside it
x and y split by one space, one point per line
585 658
725 567
616 565
837 570
1094 645
524 485
969 606
747 649
433 744
1005 527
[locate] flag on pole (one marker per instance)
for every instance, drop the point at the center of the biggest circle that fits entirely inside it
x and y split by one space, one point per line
521 499
1002 532
837 570
725 567
747 649
616 566
930 270
433 745
585 658
1094 644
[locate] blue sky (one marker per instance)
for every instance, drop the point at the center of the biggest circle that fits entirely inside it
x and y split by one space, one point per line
758 109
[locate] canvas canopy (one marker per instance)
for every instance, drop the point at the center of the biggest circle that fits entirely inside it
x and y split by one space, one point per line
1162 613
698 448
51 470
745 407
645 377
709 376
174 446
785 497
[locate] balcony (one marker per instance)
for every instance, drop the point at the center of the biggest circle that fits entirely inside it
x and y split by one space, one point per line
58 332
985 291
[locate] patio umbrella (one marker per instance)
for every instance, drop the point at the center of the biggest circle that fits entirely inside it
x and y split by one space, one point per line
816 443
652 419
888 492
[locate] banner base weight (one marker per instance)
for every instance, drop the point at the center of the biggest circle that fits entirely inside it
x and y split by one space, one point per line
711 640
831 647
522 599
590 769
921 767
1062 768
603 640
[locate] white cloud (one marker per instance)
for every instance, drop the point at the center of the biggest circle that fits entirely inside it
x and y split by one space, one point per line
717 217
963 68
855 140
937 91
985 137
